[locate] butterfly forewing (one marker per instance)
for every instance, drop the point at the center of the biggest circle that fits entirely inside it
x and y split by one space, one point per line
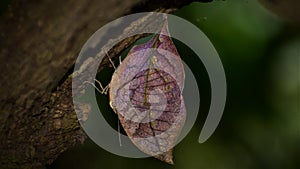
146 93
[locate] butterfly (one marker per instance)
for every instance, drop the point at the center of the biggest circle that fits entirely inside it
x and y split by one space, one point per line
146 93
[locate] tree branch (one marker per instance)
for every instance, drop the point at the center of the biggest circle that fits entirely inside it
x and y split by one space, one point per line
39 43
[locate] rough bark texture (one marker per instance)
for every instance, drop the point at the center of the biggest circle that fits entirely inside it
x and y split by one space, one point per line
39 43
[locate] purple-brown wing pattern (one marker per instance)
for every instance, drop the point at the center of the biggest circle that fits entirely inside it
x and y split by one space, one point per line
146 93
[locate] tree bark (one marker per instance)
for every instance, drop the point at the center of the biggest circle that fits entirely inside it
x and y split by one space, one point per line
39 42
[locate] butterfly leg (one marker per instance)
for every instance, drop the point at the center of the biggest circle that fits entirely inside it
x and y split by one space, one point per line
102 90
120 60
111 62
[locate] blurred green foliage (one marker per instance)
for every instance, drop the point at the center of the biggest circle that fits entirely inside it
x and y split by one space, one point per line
260 128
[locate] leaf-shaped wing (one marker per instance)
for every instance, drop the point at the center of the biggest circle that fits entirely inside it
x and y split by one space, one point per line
146 92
